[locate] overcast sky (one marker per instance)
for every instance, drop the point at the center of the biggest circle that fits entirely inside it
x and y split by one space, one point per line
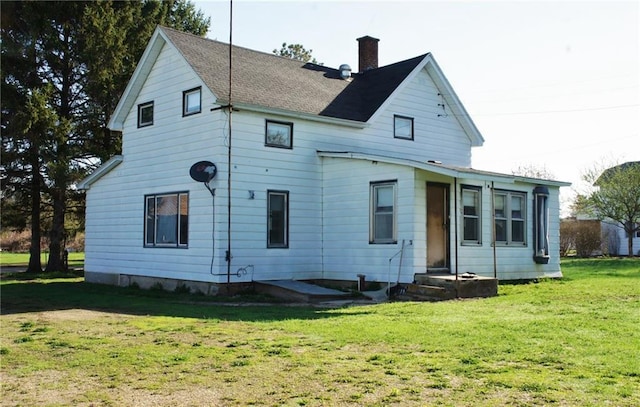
550 84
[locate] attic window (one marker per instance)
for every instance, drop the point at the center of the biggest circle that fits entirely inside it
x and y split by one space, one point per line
191 102
145 114
403 127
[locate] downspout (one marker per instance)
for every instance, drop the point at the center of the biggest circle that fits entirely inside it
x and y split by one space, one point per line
493 218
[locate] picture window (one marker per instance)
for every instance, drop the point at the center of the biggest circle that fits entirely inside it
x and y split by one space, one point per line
166 220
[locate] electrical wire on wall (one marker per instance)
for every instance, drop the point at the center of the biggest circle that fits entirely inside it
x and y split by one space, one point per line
213 228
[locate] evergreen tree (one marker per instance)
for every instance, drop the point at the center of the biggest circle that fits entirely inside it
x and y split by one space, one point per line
65 65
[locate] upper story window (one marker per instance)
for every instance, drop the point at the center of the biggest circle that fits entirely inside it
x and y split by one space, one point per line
145 114
191 101
166 220
382 221
278 134
471 210
403 127
510 217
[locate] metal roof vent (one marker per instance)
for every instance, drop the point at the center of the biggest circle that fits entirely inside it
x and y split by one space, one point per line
345 71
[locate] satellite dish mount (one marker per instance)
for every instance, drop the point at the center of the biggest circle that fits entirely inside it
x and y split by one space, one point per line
204 171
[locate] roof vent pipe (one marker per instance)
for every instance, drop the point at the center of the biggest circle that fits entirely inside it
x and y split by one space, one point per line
367 53
345 71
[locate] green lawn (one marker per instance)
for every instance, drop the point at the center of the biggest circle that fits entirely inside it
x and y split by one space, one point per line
22 259
572 342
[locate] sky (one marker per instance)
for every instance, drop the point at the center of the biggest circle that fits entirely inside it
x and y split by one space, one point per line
553 85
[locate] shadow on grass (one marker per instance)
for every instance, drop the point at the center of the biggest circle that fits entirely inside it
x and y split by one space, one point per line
22 294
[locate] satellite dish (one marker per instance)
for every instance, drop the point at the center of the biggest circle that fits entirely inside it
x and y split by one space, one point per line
203 171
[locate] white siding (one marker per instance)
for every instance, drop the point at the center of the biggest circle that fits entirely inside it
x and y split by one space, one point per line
157 159
347 251
328 197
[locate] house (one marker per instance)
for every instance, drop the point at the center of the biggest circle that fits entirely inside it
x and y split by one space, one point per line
332 173
616 237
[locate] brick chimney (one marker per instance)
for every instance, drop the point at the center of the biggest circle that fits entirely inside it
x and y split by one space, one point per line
367 53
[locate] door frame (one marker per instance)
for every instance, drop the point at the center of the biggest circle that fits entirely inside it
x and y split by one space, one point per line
446 188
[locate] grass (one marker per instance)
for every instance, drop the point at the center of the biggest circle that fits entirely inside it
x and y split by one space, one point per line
22 259
569 342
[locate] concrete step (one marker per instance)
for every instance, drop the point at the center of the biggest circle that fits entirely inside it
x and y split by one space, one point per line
292 290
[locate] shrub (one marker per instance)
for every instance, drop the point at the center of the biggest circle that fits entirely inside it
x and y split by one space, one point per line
567 236
588 238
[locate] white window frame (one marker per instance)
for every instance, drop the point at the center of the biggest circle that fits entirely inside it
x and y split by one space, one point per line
187 95
508 219
400 126
377 212
151 227
477 217
273 129
285 220
141 108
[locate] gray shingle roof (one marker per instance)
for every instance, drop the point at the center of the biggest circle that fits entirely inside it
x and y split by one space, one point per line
276 82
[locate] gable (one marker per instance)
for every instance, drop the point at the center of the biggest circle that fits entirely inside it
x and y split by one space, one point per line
262 81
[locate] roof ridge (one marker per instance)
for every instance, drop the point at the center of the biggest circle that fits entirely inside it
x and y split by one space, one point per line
240 47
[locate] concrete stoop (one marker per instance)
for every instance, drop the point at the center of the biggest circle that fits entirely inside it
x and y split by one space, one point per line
446 286
292 290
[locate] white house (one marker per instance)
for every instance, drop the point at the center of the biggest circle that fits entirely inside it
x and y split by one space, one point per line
332 174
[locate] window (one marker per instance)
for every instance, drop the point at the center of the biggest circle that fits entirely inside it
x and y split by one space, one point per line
279 134
191 102
277 219
166 220
635 226
382 216
471 200
145 114
509 212
403 127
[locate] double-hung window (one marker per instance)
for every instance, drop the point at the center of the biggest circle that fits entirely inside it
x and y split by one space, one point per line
145 114
277 219
471 211
166 220
510 217
191 101
382 216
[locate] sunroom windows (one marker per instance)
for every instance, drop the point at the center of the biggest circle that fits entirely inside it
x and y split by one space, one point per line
471 215
510 217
